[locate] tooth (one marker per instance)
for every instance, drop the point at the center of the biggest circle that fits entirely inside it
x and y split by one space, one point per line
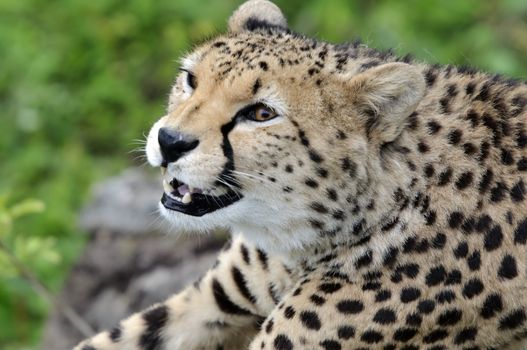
167 187
187 198
163 171
191 189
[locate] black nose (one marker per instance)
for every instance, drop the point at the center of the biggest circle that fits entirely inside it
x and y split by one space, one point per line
174 144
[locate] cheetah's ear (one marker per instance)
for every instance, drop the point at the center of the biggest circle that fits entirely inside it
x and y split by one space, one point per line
385 97
255 14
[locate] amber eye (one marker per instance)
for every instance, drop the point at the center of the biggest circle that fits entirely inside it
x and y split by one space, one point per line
262 113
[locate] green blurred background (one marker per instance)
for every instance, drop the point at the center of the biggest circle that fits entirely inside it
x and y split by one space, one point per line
81 80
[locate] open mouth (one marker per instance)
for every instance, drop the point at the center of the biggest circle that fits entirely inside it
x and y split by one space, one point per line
185 199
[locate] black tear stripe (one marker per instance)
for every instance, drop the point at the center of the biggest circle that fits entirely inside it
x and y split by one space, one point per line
155 320
226 175
241 283
115 334
224 303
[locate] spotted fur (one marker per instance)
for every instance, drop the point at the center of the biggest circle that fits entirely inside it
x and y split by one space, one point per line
385 208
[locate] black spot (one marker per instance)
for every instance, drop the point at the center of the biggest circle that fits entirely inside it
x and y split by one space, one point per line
445 296
390 224
317 300
471 86
433 127
332 194
506 157
256 86
486 181
263 65
518 192
329 344
456 219
430 217
513 319
520 234
404 334
241 284
364 260
288 168
311 183
492 305
338 214
449 317
329 287
384 316
435 336
350 306
269 326
426 306
473 288
493 238
289 312
439 241
316 224
454 136
444 177
461 250
435 276
483 223
453 277
115 334
383 295
498 192
467 334
474 261
410 294
371 337
464 180
314 156
430 77
414 320
422 147
429 170
484 92
322 172
310 320
282 342
522 164
349 166
319 207
224 303
345 332
341 135
155 320
391 255
508 267
287 189
469 148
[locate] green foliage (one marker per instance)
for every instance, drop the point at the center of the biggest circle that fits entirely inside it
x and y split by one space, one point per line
80 80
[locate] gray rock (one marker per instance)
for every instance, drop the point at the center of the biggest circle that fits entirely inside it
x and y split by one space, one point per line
126 203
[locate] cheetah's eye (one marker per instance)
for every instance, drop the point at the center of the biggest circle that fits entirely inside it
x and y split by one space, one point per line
191 79
261 113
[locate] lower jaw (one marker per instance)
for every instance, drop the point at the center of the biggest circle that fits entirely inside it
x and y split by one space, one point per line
201 204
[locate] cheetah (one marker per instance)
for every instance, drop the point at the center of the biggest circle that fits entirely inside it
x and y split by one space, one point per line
376 202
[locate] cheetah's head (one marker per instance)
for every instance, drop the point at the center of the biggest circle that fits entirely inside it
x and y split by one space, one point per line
276 134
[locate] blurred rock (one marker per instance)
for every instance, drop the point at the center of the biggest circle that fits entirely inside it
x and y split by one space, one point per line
126 203
119 273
